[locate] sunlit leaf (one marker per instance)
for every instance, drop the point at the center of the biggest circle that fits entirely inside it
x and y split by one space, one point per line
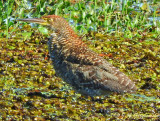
43 30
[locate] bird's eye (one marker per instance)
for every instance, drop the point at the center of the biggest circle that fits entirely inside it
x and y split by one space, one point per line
46 19
49 20
52 20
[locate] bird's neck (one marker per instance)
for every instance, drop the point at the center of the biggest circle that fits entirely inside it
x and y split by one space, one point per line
67 33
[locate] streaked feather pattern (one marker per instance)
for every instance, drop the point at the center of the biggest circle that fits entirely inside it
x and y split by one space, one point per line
79 66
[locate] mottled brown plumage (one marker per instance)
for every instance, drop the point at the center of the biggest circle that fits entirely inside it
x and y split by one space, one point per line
75 63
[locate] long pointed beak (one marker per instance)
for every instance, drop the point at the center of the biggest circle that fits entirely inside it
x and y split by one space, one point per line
34 20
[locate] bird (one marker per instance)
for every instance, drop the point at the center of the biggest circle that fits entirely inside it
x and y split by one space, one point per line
75 63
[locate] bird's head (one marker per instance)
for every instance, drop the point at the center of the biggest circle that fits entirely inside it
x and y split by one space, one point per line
53 22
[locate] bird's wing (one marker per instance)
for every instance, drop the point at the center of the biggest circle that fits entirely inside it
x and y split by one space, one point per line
100 71
108 76
93 76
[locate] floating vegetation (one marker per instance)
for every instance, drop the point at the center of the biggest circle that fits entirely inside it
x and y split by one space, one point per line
127 34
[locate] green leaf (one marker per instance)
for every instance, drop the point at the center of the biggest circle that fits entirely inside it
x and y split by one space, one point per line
43 30
11 47
26 34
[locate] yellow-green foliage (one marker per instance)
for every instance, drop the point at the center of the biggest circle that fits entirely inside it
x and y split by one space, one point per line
123 35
